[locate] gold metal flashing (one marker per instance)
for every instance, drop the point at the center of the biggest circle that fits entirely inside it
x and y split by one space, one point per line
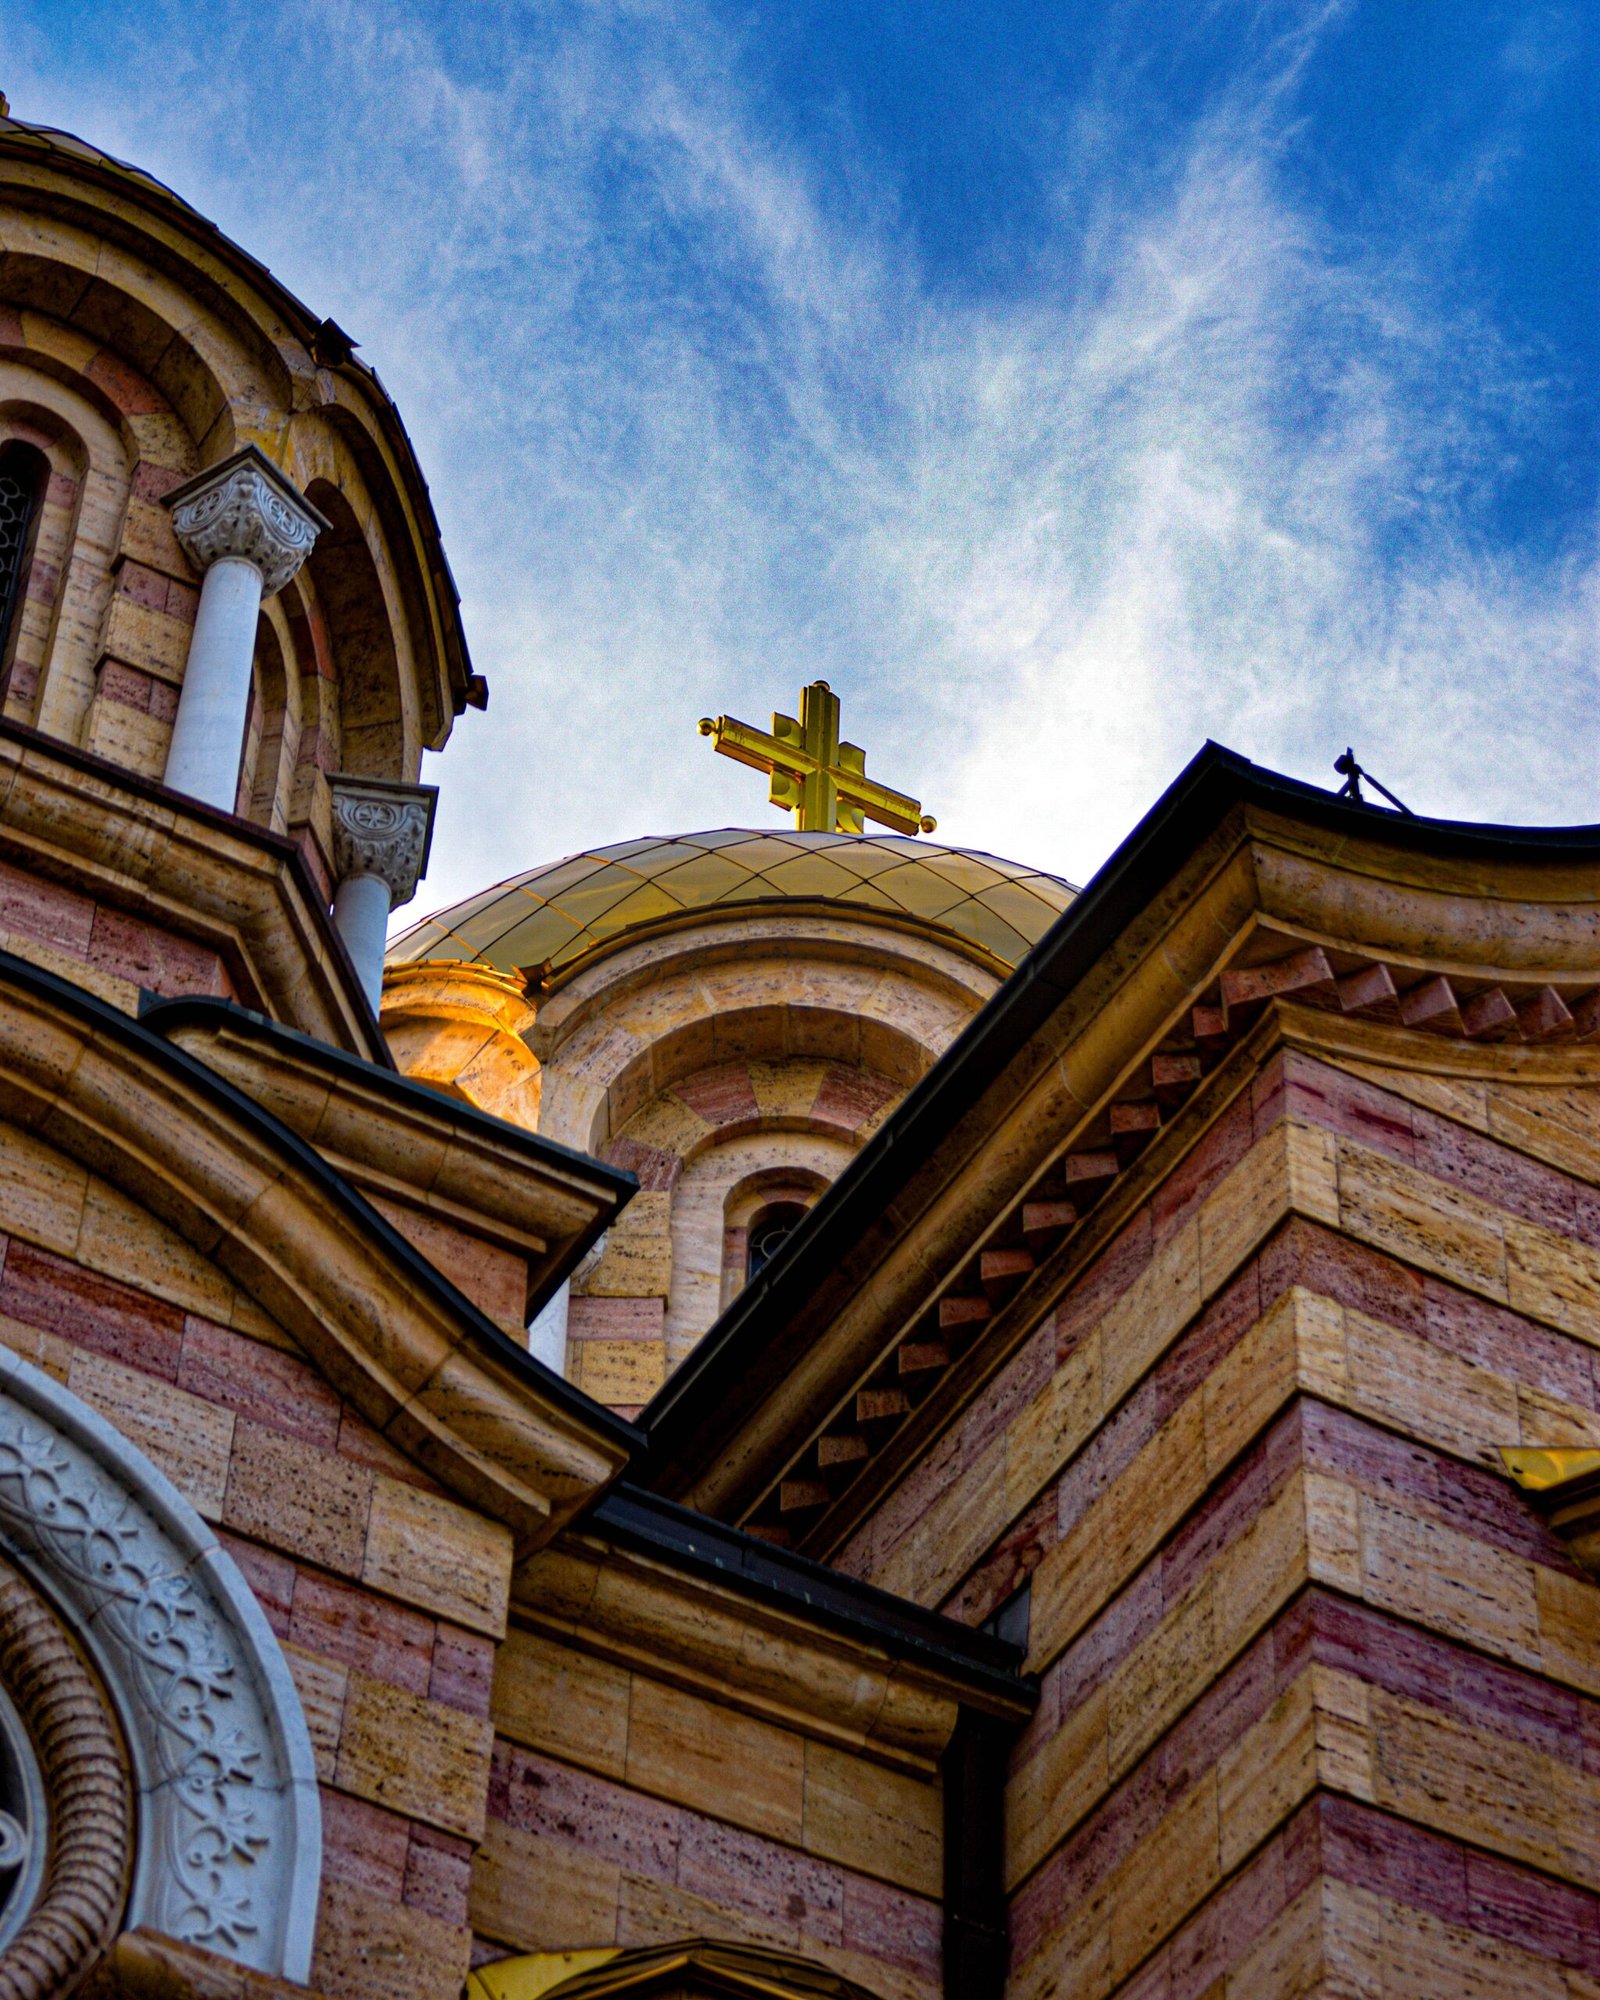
1544 1471
1562 1483
696 1965
822 781
534 1974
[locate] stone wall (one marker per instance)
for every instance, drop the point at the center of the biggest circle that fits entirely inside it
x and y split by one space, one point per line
1318 1687
386 1595
742 1050
626 1808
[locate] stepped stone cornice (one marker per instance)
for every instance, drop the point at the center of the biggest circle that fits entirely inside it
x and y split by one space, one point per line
1241 895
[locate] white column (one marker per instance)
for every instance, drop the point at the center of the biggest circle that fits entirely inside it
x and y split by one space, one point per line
361 907
247 530
381 836
208 731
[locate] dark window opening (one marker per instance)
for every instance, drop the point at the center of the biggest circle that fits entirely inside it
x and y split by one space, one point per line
1011 1621
22 477
768 1232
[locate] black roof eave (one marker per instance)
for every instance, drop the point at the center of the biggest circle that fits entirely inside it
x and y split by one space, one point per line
613 1186
717 1383
628 1517
343 1199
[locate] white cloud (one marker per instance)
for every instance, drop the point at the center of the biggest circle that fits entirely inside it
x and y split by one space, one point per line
699 429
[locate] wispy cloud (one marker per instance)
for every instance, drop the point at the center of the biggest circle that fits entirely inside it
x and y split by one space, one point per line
700 427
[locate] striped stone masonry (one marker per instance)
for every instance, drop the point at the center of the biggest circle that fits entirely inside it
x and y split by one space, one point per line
1318 1688
624 1809
387 1596
673 1260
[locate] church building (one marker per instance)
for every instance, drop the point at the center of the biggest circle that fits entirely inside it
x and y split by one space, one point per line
787 1411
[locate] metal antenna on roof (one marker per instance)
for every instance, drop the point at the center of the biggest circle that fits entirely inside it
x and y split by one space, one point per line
1352 773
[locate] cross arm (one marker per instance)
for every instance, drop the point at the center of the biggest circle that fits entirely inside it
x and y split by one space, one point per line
756 747
879 803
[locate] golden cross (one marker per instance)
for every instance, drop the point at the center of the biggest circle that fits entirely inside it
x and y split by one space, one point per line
822 781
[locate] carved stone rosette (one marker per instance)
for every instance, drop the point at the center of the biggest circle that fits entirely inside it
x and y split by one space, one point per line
384 830
245 508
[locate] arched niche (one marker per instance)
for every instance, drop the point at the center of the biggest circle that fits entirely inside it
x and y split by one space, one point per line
266 772
227 1847
771 1198
805 1034
50 677
374 725
728 985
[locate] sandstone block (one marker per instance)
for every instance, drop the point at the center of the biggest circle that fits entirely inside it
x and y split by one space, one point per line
429 1551
186 1437
552 1697
717 1761
878 1821
309 1503
413 1755
370 1949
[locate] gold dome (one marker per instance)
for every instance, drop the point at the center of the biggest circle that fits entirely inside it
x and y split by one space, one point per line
542 923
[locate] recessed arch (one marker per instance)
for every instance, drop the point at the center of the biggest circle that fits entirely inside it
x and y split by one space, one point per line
61 611
762 1034
374 727
756 1209
722 1188
75 279
271 736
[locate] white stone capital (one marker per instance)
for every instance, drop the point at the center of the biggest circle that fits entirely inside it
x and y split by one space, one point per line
382 829
246 509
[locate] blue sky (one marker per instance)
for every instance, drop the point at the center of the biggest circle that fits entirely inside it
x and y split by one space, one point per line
1065 382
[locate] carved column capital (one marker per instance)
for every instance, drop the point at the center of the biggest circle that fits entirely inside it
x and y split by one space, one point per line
245 508
382 829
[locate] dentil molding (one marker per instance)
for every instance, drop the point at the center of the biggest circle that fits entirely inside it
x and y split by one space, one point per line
245 508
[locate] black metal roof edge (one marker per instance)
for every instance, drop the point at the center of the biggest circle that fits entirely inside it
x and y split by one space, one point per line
650 1525
112 1022
162 1014
1214 781
241 829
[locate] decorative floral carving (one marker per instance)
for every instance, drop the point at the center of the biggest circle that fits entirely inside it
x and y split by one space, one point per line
221 1814
246 508
382 829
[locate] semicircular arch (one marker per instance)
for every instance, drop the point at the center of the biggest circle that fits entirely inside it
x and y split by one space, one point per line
377 725
228 1844
210 359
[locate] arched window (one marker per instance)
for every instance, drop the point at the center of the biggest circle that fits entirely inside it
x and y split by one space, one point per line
768 1231
22 477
